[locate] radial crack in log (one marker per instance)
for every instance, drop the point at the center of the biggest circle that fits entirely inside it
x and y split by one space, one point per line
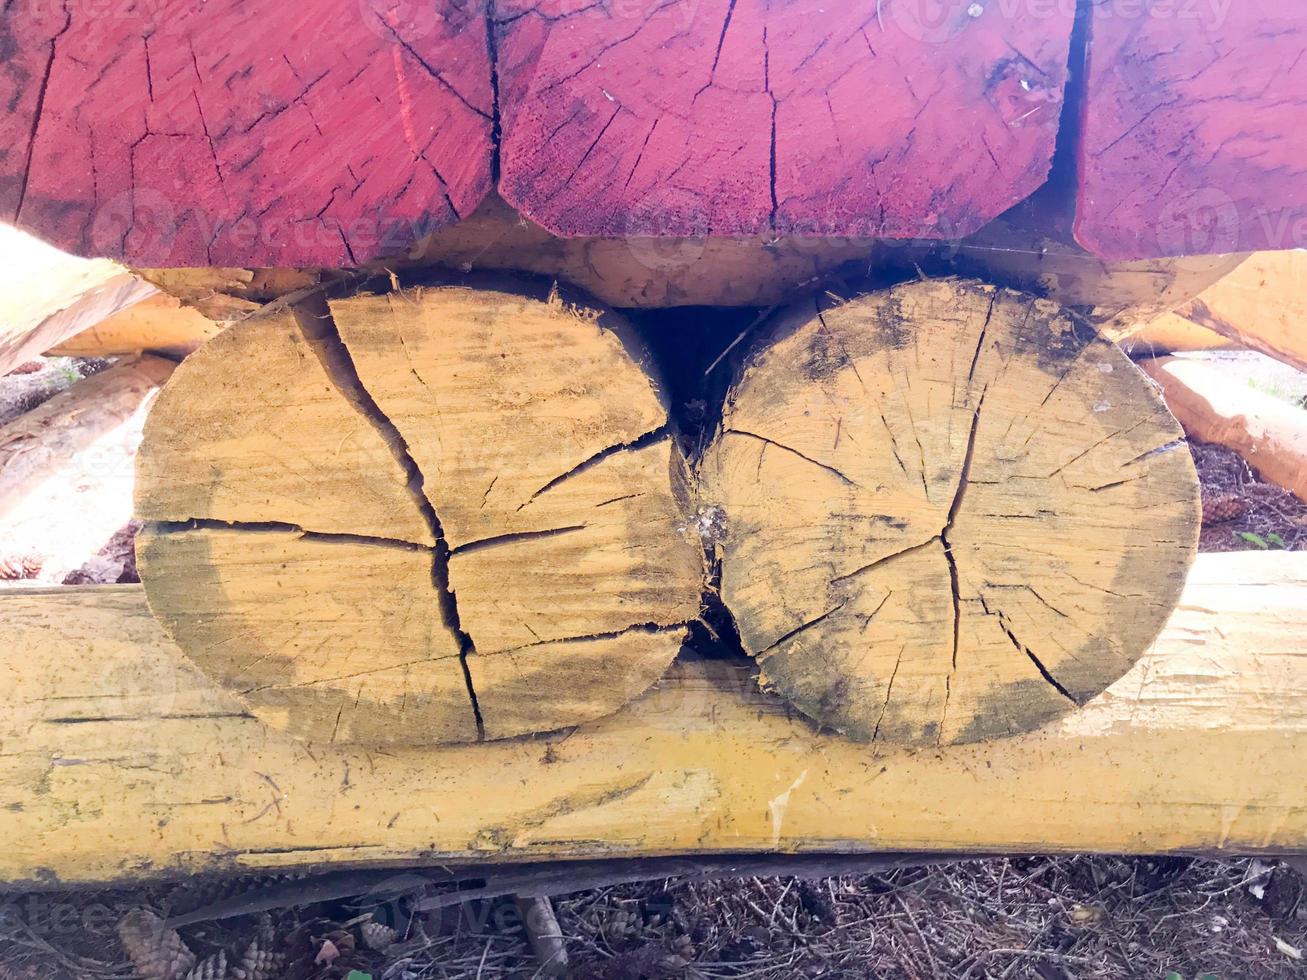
299 518
1030 435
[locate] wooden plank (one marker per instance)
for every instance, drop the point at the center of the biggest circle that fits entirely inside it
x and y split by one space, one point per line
118 761
177 135
1192 137
160 324
1266 431
719 117
1168 334
47 296
1262 305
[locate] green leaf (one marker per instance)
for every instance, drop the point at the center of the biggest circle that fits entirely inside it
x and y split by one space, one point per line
356 975
1278 541
1256 540
1174 976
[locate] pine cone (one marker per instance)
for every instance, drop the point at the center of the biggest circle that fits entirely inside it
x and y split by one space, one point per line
1223 507
200 893
259 963
214 968
158 953
377 936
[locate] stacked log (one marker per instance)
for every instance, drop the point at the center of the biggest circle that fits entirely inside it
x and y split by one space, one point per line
952 514
430 516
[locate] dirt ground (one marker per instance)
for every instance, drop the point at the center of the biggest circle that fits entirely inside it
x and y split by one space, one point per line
1044 918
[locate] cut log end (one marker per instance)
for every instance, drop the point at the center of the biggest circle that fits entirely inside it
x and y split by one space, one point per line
954 512
433 516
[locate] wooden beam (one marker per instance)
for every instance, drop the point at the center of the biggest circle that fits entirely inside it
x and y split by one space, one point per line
724 118
119 761
1262 304
1170 333
1192 139
47 296
160 324
326 137
1267 432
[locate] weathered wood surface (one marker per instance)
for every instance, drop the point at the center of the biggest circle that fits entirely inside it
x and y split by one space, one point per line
950 512
743 118
120 760
612 122
1192 136
161 324
435 515
47 296
1262 304
174 134
166 135
1266 431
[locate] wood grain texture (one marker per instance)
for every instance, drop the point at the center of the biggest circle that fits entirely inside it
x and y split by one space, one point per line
1168 334
746 118
952 512
1192 138
161 324
1266 431
174 134
1262 304
254 429
480 483
120 761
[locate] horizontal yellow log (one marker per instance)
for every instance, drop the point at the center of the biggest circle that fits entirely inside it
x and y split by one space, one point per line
118 761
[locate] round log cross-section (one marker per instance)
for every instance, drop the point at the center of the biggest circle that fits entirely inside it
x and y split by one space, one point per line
952 512
431 516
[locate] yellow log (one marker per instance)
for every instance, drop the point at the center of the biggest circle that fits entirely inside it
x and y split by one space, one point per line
118 760
1270 434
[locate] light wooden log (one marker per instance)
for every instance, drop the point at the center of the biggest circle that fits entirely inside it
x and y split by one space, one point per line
160 324
66 468
43 440
47 296
1269 433
430 516
951 512
1262 305
121 761
1170 333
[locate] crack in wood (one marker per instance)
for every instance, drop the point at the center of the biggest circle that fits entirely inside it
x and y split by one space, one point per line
640 442
789 449
320 330
513 538
281 527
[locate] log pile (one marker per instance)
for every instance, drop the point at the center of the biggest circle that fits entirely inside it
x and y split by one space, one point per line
943 513
386 122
